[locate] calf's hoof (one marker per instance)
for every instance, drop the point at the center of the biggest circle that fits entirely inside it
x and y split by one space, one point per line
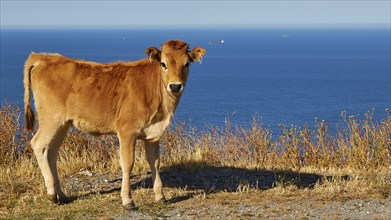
52 198
161 201
160 198
58 199
63 200
130 206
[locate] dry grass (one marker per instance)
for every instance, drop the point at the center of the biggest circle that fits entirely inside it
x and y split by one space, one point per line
354 162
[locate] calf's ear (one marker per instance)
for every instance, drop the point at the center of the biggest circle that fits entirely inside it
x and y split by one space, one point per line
153 53
197 53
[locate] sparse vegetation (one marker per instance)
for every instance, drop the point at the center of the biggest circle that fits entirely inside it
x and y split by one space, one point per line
352 162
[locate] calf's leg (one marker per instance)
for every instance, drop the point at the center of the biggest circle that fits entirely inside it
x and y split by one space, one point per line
127 157
45 144
153 157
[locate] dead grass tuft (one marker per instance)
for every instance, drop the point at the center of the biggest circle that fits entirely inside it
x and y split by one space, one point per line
353 161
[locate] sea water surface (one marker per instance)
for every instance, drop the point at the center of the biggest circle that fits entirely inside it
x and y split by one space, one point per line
286 76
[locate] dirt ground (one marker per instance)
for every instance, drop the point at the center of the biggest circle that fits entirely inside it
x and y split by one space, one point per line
229 193
273 209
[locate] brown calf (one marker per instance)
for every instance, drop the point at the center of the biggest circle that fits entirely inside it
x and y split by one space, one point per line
134 100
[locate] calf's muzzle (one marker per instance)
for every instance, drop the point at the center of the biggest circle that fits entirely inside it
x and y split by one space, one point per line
175 87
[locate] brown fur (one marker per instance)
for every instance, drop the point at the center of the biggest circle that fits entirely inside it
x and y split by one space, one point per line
29 114
134 100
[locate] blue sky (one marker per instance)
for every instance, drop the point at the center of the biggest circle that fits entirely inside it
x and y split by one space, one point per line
138 14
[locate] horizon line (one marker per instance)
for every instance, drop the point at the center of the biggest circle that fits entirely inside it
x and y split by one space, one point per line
212 26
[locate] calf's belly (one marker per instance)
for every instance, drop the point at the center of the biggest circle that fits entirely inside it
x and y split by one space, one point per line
94 127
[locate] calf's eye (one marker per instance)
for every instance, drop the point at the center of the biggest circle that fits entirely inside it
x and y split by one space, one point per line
163 65
187 64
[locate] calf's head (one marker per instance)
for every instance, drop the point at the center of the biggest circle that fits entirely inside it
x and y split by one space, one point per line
175 58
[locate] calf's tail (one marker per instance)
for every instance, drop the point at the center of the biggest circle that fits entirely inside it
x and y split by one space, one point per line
28 112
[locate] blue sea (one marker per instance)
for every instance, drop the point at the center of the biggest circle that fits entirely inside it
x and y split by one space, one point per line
286 76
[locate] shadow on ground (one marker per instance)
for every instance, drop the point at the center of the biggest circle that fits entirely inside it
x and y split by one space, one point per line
197 177
216 178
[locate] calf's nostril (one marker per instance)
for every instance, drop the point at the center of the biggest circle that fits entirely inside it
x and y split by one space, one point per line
175 87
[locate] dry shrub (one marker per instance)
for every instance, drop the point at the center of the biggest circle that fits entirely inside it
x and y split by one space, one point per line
81 151
356 144
13 139
357 157
357 149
